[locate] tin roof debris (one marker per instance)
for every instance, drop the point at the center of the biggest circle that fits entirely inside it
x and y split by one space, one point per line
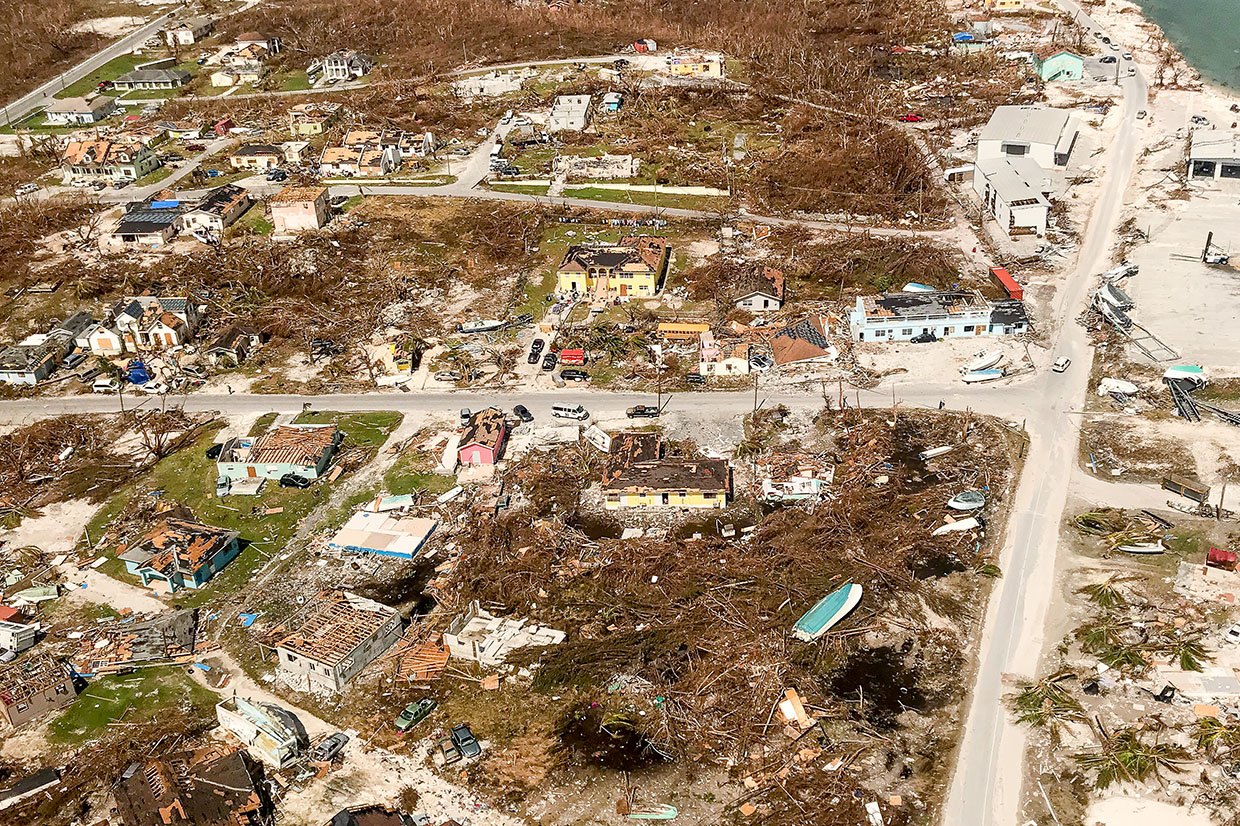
209 786
336 624
29 677
383 533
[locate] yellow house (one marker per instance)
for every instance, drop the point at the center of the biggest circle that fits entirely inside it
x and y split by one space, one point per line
1004 5
635 477
695 65
632 268
307 119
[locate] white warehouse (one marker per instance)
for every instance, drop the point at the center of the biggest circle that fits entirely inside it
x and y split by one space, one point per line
1038 132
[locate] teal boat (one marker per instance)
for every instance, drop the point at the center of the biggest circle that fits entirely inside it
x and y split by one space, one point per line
827 612
657 813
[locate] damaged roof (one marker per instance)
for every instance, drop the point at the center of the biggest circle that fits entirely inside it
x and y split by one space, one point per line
212 786
336 624
31 676
801 341
633 463
177 546
294 444
642 253
486 428
761 280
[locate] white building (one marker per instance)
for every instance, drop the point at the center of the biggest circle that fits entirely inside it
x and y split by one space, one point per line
268 732
79 111
1015 191
1214 154
942 313
17 637
569 113
487 639
1043 134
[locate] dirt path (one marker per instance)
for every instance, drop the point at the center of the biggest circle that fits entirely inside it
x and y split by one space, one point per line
239 684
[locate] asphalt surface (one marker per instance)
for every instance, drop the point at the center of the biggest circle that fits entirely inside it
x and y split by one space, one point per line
989 775
42 96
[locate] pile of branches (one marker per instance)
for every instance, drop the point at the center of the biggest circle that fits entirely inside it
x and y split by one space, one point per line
1116 528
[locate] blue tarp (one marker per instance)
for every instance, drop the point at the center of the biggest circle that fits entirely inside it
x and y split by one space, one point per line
137 373
165 204
247 619
963 37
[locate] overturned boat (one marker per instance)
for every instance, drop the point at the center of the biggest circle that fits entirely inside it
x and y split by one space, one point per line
483 325
827 612
968 500
956 527
979 376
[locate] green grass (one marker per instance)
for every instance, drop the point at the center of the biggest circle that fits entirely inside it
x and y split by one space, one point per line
253 222
353 201
410 473
109 71
131 698
262 423
368 430
155 176
37 123
536 293
188 478
620 196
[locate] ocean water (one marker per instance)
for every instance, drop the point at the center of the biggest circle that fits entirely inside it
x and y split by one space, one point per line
1207 33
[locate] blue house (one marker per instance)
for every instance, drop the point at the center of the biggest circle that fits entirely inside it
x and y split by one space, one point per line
176 553
1058 64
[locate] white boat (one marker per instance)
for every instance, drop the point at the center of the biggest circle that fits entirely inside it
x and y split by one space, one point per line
978 376
484 325
1108 386
914 287
1191 373
984 361
968 500
930 453
1143 548
957 526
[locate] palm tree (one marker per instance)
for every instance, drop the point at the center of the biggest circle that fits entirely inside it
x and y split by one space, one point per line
1211 734
1189 651
1106 594
1048 703
1125 757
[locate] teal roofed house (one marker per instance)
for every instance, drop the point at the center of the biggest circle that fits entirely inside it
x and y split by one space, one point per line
176 553
1058 64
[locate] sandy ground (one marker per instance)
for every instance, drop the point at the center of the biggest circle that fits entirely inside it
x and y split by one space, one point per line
109 26
371 775
941 361
240 685
104 590
56 531
1134 811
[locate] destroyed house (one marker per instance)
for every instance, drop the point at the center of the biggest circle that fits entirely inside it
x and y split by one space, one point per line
114 160
480 636
268 732
146 321
212 786
34 687
33 359
338 636
636 476
303 449
943 313
803 341
760 288
124 646
482 441
633 267
218 209
177 553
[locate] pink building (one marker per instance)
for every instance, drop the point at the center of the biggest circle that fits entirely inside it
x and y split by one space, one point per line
483 438
299 209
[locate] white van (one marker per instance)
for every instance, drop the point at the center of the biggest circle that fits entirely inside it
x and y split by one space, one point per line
566 411
105 384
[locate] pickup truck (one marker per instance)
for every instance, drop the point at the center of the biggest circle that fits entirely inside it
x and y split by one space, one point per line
642 411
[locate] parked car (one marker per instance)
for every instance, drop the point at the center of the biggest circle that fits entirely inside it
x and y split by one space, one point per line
223 485
214 451
1216 258
695 378
89 374
195 147
292 480
761 362
642 411
574 375
465 416
327 750
325 347
1127 55
910 117
1061 364
74 359
924 338
447 752
1232 634
1141 115
26 189
414 713
464 740
510 171
106 384
7 655
536 349
1108 59
338 201
523 413
447 375
277 175
1200 120
549 361
570 411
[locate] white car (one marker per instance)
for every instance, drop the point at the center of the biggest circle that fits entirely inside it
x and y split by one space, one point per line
105 385
1232 634
1127 55
1061 364
26 189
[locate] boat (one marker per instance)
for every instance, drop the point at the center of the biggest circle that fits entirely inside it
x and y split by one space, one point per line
663 812
968 500
1191 373
930 453
984 361
1108 386
483 325
914 287
978 376
827 612
1142 548
957 526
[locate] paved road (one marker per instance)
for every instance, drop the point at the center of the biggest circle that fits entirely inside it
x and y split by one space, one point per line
40 97
986 788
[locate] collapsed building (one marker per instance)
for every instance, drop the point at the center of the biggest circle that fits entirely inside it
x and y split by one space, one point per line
123 646
487 639
635 475
206 787
336 638
34 687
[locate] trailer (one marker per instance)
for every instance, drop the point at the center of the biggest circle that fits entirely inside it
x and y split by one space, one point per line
1188 488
